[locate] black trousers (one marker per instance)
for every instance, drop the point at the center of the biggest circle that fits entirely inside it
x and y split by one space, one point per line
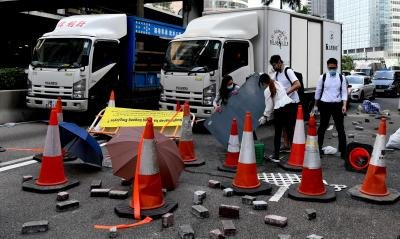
292 120
326 111
282 121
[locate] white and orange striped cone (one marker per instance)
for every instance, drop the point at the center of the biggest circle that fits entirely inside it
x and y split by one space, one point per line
186 145
312 187
51 176
232 155
148 196
246 181
296 158
374 187
60 118
111 103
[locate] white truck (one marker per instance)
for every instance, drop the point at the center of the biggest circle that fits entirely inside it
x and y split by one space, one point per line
240 42
87 56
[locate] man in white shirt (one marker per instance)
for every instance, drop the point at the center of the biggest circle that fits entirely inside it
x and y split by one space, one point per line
289 81
331 100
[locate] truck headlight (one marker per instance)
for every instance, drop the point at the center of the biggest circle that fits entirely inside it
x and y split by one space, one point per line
209 94
29 86
355 90
79 88
162 94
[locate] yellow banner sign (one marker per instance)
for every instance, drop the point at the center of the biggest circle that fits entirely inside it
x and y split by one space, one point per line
122 117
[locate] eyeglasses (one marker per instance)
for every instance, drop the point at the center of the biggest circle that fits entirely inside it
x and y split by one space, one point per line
332 68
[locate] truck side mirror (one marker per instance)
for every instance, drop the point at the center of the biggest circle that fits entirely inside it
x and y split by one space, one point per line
85 60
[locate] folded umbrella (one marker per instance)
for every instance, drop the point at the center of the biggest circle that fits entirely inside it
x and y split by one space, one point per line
123 148
78 142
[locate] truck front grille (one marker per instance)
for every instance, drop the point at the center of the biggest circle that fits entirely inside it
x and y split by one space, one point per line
52 91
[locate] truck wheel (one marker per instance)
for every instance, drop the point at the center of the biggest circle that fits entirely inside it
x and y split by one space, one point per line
357 157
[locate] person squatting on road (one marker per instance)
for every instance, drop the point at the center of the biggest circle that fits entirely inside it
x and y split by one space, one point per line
226 90
287 78
278 103
331 100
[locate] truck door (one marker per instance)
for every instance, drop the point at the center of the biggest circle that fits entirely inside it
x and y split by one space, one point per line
236 60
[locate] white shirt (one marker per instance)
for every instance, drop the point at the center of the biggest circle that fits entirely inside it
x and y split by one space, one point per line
279 100
332 89
287 83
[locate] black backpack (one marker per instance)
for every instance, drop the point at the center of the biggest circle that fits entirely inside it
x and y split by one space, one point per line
323 85
299 76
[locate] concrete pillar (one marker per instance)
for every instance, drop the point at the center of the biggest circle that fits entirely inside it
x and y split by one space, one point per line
140 8
191 9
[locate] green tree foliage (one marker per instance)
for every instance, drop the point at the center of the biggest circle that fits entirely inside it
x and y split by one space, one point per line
347 63
293 4
304 10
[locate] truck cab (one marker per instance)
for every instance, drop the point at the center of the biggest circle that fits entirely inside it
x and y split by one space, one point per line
71 60
197 60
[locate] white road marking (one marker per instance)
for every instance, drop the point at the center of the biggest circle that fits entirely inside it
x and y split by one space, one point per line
16 161
278 194
17 165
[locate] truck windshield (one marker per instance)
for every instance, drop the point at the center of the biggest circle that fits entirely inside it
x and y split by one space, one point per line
60 52
384 75
196 55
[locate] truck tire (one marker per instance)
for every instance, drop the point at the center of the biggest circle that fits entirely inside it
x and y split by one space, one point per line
357 157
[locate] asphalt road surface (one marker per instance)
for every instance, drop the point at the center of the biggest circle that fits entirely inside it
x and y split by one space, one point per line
344 218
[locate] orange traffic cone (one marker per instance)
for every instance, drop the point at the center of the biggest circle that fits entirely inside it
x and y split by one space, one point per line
374 187
111 101
60 117
51 176
186 146
149 196
232 156
178 106
97 128
312 187
246 181
296 158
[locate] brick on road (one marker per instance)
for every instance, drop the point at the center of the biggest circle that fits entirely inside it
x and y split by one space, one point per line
216 234
125 182
229 211
260 205
314 236
248 200
214 184
228 192
311 214
95 184
359 128
62 196
35 226
167 220
275 220
118 194
228 227
99 192
27 178
284 236
67 205
186 232
113 232
200 211
198 197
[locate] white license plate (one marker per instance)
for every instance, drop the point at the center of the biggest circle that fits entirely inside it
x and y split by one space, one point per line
380 90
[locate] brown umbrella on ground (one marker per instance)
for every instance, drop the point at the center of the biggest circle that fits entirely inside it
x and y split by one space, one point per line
123 148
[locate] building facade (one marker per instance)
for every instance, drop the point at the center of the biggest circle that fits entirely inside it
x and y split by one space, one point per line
371 29
322 8
215 5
